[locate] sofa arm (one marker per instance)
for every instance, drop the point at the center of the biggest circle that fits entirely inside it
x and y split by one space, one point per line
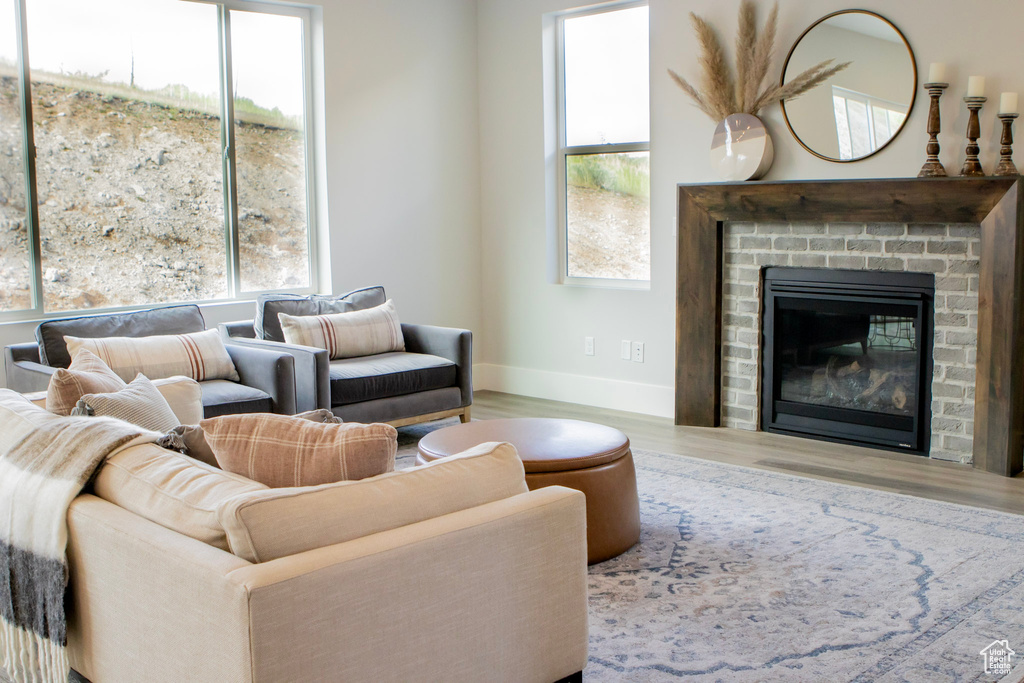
447 342
270 371
312 367
495 592
24 371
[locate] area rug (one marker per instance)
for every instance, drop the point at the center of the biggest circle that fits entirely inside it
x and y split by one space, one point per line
748 575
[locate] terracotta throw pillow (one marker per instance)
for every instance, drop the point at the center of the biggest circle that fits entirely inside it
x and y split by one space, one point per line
200 355
347 335
87 374
283 450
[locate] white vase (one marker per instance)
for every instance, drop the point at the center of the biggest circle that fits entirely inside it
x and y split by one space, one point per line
742 148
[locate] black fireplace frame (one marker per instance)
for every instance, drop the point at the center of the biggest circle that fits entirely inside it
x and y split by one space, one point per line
845 425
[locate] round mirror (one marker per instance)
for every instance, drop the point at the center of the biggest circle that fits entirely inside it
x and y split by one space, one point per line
858 111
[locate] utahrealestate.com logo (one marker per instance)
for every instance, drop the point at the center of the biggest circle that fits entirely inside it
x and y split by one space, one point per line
998 658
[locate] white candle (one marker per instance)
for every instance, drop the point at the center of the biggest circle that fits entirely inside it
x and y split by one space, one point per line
937 72
1008 103
976 86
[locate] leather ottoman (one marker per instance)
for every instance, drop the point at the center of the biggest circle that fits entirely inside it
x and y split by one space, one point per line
588 457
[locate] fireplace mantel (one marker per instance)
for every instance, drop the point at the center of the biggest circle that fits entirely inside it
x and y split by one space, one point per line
994 203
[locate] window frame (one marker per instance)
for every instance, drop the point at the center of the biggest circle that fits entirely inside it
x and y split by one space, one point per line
235 293
870 103
563 151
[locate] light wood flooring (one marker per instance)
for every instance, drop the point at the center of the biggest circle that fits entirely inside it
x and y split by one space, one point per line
909 474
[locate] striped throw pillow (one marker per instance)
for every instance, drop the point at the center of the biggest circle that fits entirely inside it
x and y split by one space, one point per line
347 335
284 450
200 355
87 374
139 403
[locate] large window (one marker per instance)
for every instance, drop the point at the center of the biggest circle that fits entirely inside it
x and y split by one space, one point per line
170 157
604 144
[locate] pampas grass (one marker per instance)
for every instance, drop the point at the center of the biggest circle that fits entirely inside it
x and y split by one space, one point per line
719 95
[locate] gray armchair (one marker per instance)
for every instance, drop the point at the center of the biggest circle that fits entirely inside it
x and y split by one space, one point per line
431 379
267 376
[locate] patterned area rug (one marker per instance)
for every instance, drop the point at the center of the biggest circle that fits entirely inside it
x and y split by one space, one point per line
748 575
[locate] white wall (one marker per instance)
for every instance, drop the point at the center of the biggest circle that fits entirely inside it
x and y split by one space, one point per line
533 331
402 159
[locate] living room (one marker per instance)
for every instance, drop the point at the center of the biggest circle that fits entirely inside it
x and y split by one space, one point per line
433 158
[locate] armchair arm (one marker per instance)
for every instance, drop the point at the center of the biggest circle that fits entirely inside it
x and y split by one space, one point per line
447 342
312 368
238 328
271 371
473 595
24 371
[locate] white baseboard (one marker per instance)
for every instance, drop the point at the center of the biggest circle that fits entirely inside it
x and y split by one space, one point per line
634 397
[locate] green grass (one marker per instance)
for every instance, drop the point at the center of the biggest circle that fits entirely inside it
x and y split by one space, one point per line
624 173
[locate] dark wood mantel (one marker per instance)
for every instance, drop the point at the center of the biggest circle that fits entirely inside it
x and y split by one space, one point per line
997 204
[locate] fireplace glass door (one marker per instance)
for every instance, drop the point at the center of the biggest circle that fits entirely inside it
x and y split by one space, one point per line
847 361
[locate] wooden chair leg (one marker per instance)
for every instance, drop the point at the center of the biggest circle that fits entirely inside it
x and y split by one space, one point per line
465 415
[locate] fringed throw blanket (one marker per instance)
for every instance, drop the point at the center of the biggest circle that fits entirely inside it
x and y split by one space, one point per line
45 461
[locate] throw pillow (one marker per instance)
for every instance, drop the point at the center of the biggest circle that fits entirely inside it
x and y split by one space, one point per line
282 450
347 335
139 403
87 374
267 326
200 355
185 397
191 440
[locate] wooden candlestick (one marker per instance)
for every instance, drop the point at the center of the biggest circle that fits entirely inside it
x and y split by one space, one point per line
1006 166
932 166
972 167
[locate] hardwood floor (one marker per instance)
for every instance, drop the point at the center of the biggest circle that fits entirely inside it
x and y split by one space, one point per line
908 474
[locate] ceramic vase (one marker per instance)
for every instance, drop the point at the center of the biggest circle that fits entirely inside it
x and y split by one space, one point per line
741 148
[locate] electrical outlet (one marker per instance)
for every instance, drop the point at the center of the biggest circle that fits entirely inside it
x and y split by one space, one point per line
638 352
588 346
626 352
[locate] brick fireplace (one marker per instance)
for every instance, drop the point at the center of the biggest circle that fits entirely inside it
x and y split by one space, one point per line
968 233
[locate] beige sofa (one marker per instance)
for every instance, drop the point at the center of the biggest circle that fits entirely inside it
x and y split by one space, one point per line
448 572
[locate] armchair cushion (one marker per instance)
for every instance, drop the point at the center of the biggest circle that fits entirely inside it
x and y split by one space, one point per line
280 451
222 397
384 375
266 525
87 374
199 355
347 335
53 350
267 326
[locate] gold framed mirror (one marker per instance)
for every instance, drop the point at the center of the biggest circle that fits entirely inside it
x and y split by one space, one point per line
861 109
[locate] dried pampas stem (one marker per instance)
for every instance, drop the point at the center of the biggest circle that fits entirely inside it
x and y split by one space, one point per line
719 96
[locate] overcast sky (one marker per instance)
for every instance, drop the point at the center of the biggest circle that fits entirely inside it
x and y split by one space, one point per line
607 82
173 42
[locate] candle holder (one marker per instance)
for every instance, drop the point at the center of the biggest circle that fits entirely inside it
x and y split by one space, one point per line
972 167
932 166
1006 166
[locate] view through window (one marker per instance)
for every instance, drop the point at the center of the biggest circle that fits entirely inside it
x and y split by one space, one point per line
864 124
605 157
130 171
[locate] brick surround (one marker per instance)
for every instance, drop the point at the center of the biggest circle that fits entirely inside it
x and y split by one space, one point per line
951 252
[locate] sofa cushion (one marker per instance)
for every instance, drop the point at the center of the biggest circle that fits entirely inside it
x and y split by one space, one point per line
347 335
199 355
388 374
53 350
139 403
172 490
221 397
87 374
282 450
267 326
265 525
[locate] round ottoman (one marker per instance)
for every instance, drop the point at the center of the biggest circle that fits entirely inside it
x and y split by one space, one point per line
588 457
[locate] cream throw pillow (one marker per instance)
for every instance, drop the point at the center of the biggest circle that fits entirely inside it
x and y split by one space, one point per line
265 525
171 490
200 355
184 396
347 335
283 450
139 403
87 374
